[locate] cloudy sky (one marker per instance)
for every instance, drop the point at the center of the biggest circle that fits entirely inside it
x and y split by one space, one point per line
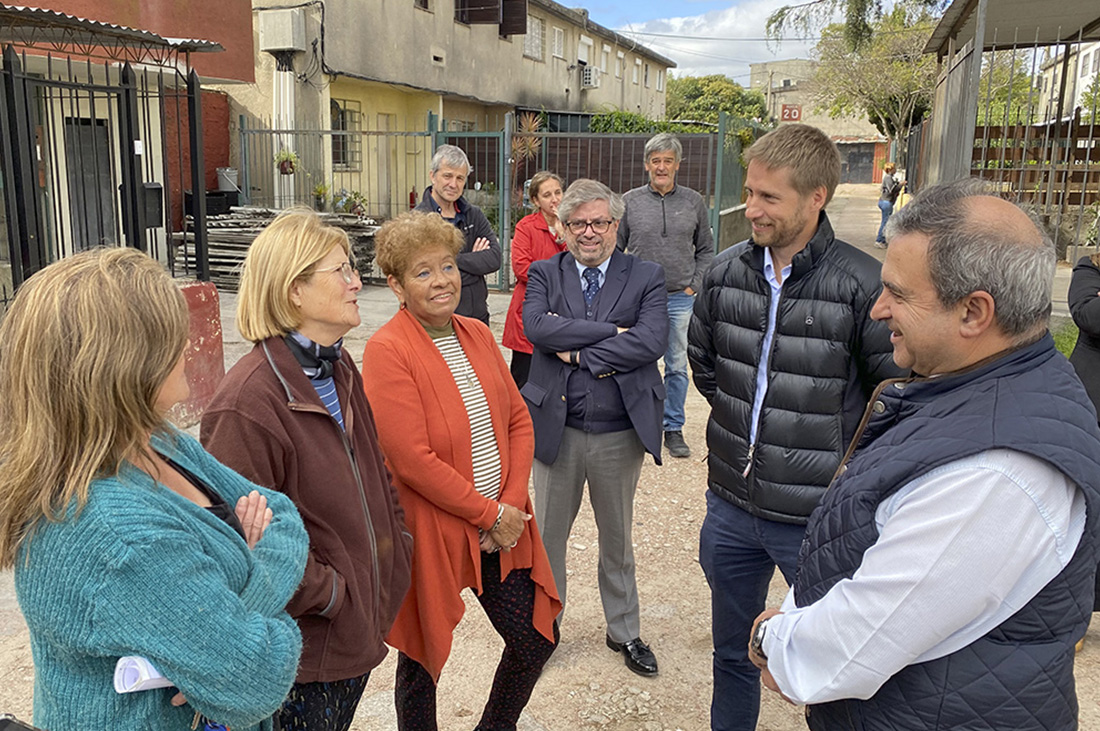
706 37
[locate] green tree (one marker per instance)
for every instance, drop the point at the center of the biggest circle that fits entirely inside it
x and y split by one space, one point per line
701 98
859 18
888 79
1005 88
1090 101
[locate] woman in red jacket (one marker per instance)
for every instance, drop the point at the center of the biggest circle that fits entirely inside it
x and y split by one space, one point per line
459 442
538 236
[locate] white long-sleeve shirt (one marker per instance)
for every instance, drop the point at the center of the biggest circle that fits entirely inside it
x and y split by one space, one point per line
960 550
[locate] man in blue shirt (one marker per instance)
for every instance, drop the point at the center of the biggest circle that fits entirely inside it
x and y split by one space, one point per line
782 346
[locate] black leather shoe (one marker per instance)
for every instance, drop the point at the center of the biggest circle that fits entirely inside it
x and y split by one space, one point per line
637 655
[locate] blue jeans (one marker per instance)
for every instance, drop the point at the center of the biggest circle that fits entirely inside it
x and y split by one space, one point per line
680 305
739 553
887 208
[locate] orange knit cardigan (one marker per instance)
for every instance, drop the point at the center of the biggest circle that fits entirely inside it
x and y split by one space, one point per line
425 436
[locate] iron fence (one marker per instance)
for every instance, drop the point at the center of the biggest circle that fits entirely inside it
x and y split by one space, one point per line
95 154
1036 133
379 173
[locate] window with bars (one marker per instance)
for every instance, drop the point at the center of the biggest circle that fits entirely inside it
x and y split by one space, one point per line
347 143
532 42
1085 65
559 43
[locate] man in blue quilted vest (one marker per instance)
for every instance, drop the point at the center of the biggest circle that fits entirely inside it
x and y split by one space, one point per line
948 571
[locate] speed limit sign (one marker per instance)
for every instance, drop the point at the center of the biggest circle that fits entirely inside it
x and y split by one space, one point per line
791 113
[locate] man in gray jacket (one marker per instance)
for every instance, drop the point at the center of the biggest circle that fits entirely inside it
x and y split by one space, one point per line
668 224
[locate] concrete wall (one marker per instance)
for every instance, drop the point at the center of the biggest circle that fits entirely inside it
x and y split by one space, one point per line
797 74
400 43
733 227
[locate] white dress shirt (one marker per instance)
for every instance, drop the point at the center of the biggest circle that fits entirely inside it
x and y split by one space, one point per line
960 550
776 284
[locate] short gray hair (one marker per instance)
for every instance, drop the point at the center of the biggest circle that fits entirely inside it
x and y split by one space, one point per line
452 157
662 142
586 190
1014 264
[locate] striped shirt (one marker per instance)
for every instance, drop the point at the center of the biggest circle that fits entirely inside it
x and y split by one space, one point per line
326 389
483 441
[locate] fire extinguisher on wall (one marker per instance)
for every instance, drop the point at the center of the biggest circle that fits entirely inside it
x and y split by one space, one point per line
412 198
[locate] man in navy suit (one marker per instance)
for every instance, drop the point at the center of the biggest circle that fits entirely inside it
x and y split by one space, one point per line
599 323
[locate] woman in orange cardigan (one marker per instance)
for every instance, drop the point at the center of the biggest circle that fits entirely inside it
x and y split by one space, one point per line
459 442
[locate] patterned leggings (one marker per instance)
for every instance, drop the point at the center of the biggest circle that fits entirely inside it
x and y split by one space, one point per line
510 607
322 706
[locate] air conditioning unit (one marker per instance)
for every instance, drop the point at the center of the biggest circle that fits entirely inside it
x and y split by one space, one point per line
282 30
590 77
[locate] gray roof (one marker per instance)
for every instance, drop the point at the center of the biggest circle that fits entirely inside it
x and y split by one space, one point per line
1017 22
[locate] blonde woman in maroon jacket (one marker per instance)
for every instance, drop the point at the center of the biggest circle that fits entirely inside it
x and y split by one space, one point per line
291 415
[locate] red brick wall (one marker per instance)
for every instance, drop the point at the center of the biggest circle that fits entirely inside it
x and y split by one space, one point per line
215 128
228 22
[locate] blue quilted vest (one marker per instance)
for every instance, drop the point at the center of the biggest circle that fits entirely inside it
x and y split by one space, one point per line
1020 675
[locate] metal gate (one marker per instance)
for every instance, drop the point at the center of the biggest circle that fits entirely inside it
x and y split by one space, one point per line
98 154
382 171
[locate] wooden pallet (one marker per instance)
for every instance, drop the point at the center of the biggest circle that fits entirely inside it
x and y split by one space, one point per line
229 236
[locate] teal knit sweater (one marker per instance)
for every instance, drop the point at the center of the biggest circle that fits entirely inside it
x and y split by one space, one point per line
143 571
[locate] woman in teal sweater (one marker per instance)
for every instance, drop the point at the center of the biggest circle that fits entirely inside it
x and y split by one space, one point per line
126 537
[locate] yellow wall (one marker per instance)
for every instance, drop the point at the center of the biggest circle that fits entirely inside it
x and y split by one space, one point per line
392 165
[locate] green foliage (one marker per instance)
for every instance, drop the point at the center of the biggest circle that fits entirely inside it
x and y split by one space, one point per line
1091 234
614 121
888 78
1065 336
858 28
1005 88
1090 101
701 98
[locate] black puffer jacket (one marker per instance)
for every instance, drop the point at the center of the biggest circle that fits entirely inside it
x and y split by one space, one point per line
827 357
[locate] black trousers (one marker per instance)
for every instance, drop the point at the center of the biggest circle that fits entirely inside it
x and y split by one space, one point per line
520 367
510 607
322 706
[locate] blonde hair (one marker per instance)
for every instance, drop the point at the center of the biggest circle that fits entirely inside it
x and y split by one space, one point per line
84 350
540 178
811 157
400 239
288 250
890 168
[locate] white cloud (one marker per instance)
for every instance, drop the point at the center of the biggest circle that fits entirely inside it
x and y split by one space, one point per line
698 55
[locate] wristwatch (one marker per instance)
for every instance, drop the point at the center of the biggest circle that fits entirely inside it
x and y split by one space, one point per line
756 644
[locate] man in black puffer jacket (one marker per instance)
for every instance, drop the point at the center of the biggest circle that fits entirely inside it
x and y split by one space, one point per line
782 346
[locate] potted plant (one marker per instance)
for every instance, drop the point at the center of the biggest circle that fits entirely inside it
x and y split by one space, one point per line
320 196
287 161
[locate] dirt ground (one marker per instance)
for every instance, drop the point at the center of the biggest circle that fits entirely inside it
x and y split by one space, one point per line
585 685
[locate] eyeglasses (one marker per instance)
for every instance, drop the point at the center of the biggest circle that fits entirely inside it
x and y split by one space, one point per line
600 226
347 270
